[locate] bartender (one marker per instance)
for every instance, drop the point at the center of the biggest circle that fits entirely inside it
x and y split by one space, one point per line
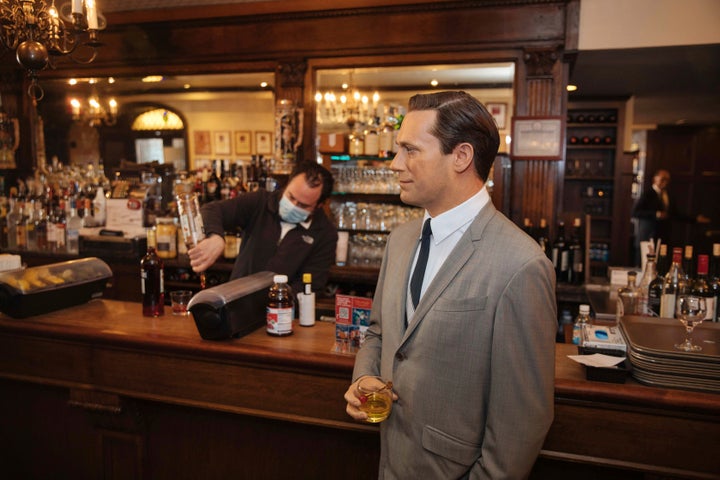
285 232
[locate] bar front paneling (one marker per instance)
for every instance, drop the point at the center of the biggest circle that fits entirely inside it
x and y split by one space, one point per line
148 387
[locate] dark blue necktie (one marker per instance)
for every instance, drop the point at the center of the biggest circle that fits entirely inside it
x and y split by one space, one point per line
419 273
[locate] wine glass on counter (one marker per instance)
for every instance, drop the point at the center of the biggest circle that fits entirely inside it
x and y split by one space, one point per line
191 223
690 310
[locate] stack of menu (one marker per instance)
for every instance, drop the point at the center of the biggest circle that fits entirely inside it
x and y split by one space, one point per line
655 360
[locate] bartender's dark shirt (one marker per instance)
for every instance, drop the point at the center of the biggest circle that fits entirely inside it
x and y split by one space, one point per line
302 250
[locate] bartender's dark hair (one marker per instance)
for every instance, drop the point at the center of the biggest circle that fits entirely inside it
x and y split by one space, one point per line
461 118
315 175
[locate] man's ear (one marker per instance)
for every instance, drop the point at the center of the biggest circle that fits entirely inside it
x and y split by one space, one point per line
463 155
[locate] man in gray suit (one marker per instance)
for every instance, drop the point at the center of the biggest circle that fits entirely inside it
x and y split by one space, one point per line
472 363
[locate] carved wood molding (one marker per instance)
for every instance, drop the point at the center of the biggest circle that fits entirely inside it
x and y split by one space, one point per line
292 74
540 62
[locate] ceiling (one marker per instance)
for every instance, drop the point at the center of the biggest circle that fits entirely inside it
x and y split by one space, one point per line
670 85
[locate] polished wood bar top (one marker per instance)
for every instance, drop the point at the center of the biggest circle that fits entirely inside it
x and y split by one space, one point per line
120 325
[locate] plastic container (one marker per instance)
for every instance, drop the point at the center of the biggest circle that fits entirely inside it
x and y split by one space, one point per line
43 289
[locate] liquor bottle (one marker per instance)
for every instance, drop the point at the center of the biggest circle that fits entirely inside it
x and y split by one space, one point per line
628 296
280 307
3 223
72 230
543 238
581 320
688 265
528 227
20 230
51 229
60 227
213 183
40 220
560 254
663 261
30 233
649 299
701 286
576 254
12 218
673 284
152 281
372 139
715 279
99 205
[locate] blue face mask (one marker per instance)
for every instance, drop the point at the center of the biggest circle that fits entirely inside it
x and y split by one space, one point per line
291 213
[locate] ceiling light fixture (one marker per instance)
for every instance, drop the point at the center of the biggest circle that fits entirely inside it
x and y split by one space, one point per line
94 112
571 88
39 33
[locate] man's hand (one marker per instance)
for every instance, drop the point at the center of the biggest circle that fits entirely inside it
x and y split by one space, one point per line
354 400
206 252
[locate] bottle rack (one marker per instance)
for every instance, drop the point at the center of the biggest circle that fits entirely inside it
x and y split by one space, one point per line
594 138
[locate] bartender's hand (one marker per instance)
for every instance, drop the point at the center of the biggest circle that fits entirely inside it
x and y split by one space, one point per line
206 252
352 397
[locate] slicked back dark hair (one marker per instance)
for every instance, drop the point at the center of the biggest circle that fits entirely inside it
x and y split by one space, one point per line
315 174
461 118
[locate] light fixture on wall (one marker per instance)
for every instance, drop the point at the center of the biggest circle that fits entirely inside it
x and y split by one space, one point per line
39 32
94 111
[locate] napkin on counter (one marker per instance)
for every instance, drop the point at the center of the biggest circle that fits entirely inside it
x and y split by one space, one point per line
597 360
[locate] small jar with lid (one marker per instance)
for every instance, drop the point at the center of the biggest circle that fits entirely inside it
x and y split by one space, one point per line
166 237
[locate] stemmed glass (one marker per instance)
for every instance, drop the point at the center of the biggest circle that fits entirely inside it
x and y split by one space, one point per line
690 310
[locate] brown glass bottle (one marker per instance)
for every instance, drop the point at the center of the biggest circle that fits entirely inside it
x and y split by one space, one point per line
152 281
280 307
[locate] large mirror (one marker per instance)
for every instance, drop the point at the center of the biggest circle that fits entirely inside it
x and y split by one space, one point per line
349 100
184 120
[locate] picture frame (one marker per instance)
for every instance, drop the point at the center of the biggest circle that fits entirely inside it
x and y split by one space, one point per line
263 143
243 142
499 113
537 138
222 142
201 141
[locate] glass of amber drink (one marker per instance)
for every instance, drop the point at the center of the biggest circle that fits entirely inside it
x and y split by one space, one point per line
375 398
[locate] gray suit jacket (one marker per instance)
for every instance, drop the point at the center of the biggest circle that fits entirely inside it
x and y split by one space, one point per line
474 371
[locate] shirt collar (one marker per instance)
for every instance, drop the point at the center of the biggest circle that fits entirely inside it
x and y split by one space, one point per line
458 217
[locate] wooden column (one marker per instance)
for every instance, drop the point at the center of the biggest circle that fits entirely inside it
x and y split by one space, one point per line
537 184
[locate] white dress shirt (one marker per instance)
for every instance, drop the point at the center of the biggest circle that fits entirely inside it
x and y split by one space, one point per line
447 228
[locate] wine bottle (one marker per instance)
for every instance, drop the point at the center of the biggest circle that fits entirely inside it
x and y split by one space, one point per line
648 301
715 279
701 286
663 261
674 283
543 238
576 255
688 265
560 254
152 281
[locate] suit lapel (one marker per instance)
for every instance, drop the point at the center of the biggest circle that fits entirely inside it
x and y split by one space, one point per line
451 268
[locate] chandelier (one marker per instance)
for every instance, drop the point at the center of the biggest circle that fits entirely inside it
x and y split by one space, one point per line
94 112
39 32
349 106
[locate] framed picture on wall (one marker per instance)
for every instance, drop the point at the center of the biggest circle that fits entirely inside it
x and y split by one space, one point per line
537 138
499 113
263 143
243 142
201 139
222 143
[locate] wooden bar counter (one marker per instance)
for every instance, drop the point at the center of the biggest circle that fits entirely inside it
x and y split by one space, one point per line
98 391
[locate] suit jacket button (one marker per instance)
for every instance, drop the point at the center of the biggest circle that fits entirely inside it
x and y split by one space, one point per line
400 356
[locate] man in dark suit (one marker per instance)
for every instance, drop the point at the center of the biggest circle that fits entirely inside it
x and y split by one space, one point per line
469 344
655 211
